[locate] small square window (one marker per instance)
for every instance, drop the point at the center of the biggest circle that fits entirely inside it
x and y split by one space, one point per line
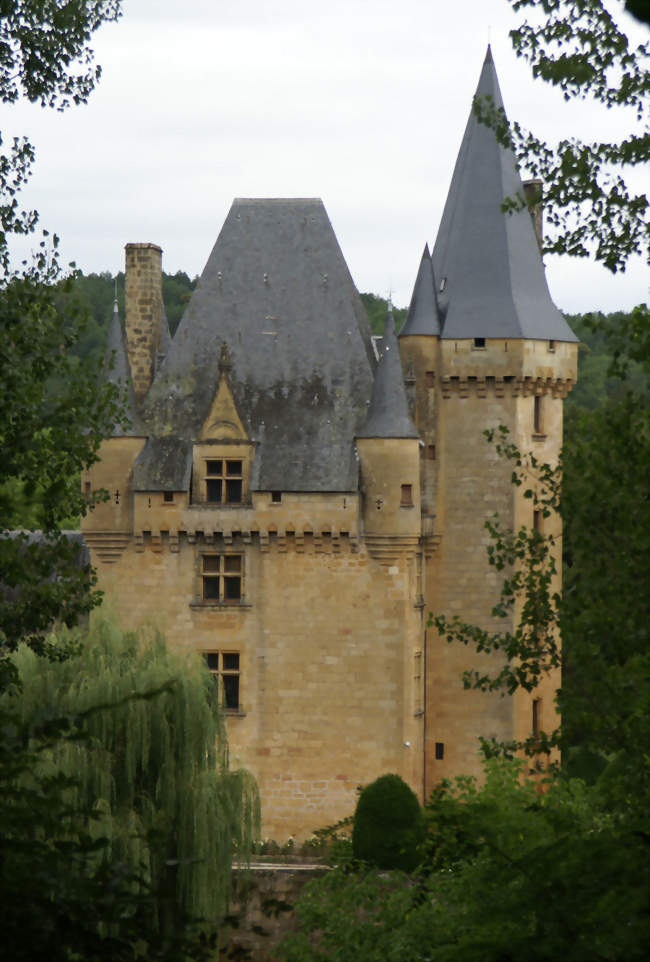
276 497
233 468
168 496
479 342
213 467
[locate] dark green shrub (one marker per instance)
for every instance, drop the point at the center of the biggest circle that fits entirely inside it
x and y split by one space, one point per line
388 825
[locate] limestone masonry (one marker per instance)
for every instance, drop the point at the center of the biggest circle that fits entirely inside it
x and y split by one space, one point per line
291 501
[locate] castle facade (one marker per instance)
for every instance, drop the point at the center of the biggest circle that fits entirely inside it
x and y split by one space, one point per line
292 499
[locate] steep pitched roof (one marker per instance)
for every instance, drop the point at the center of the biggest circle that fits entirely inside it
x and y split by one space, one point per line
116 370
278 292
422 317
486 262
388 416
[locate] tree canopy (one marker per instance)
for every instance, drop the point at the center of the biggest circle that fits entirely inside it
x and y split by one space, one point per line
53 411
120 812
589 206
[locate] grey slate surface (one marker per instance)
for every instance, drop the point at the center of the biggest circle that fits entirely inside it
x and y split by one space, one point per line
389 415
423 317
489 261
277 290
164 464
117 370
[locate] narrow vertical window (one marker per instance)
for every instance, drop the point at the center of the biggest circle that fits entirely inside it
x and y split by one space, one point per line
431 452
537 414
440 751
407 496
536 716
429 378
537 521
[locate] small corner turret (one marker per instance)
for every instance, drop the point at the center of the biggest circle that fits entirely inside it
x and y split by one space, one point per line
388 446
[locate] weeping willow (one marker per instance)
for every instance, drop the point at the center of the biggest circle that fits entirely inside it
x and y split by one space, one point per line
151 760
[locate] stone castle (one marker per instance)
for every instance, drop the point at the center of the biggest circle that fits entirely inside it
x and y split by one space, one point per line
294 497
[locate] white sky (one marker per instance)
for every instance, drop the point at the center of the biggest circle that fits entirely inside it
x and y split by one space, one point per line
360 102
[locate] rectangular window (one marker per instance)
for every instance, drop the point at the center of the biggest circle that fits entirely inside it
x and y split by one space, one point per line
224 666
431 452
276 497
224 482
168 496
537 521
440 751
407 496
221 575
551 346
429 378
479 342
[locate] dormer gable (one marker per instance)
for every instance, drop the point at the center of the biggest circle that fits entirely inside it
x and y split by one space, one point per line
223 421
223 455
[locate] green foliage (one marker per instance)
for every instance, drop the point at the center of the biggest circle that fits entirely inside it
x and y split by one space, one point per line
151 760
61 896
376 309
44 50
588 206
53 414
510 875
388 826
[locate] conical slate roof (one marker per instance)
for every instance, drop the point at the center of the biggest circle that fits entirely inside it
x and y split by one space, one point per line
422 317
116 370
487 263
388 416
278 292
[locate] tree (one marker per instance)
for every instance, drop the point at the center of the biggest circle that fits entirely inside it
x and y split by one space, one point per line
53 413
388 826
136 764
577 46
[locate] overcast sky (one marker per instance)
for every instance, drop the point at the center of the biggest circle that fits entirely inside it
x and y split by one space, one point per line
360 102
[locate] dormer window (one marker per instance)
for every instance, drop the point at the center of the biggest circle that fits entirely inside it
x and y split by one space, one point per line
224 481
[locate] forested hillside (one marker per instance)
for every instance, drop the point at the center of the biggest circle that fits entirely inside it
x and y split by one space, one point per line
96 293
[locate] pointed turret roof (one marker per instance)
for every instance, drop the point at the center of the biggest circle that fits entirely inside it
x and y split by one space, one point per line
116 369
278 292
423 317
165 335
487 262
388 415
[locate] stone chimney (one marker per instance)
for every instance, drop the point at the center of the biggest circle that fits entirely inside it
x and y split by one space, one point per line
533 195
143 292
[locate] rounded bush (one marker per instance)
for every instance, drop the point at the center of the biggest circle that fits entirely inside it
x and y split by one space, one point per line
388 825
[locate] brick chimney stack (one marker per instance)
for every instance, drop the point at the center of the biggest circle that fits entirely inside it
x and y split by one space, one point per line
143 291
